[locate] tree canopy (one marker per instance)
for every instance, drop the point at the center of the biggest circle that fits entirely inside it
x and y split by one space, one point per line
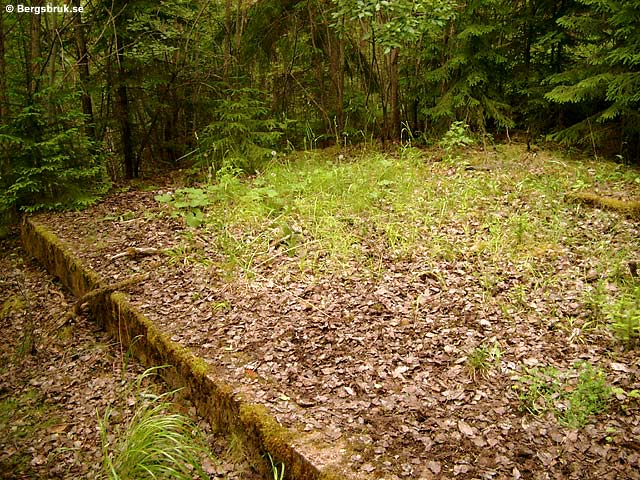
109 90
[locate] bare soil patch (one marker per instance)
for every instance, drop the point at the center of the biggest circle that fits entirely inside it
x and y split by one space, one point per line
376 356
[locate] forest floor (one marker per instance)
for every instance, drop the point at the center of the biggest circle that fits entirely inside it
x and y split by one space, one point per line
56 383
435 315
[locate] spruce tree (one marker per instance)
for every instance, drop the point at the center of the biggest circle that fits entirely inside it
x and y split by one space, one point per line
603 85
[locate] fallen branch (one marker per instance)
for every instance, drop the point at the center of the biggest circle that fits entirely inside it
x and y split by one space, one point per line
630 208
136 252
84 301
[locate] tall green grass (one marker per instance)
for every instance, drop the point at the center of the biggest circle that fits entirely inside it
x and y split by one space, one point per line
155 443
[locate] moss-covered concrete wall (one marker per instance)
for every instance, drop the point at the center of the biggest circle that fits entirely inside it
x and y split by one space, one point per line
214 400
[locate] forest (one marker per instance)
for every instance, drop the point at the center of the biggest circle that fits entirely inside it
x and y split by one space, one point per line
356 239
111 90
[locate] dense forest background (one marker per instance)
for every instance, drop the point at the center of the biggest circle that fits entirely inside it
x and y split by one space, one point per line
128 87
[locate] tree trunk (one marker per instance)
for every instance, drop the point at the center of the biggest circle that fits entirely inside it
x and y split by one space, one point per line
394 100
337 78
227 40
5 162
375 66
124 115
528 31
319 71
83 73
340 90
4 101
240 21
130 167
33 62
335 53
52 64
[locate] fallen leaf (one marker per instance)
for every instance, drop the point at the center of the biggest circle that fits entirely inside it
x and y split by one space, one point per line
434 466
367 467
397 372
461 468
466 429
620 367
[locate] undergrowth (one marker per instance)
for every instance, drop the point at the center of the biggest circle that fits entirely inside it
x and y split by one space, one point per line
573 396
329 209
506 209
156 443
624 315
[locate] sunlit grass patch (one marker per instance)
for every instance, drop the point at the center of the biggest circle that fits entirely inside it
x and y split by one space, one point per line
327 212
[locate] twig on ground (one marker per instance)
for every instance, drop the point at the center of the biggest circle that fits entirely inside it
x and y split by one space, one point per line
135 252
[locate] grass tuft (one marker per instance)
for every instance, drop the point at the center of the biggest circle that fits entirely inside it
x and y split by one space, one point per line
156 443
482 359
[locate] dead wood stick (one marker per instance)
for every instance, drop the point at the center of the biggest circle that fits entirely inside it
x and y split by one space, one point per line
112 287
134 252
90 296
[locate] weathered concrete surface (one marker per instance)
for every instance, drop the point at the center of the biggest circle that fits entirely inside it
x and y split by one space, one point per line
214 399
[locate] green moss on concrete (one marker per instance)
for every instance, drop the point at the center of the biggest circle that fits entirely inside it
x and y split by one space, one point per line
275 437
277 441
331 474
199 367
57 258
627 207
213 399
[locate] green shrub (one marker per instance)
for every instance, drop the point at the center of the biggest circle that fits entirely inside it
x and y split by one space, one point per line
241 135
624 315
572 396
48 162
457 136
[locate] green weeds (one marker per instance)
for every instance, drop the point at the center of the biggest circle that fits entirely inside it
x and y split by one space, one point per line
188 203
572 396
457 136
482 359
278 472
624 315
616 306
322 211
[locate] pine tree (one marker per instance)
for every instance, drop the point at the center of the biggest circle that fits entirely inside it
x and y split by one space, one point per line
51 161
46 158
